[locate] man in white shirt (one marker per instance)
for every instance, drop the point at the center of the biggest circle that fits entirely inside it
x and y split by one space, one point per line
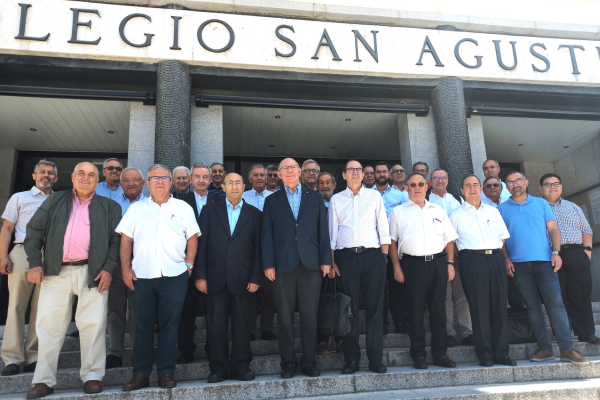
257 194
481 235
456 301
492 192
157 231
422 236
359 234
491 169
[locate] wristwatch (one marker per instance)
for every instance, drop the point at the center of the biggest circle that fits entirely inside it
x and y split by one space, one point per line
587 248
451 263
555 252
190 266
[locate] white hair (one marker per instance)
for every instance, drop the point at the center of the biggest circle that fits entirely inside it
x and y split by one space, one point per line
111 159
311 161
256 166
182 168
159 167
132 169
45 162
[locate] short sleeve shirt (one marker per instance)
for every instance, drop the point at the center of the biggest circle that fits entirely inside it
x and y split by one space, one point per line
21 207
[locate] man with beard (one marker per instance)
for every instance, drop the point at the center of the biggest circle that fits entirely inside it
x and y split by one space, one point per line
310 172
182 179
218 174
369 178
18 350
391 198
111 187
491 169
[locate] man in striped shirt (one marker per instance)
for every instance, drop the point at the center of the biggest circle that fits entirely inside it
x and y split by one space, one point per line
575 276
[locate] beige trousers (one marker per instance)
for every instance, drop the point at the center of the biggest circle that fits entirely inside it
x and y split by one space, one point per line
16 349
54 315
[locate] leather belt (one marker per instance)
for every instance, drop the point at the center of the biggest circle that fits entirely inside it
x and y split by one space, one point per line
486 252
425 258
570 246
75 263
357 249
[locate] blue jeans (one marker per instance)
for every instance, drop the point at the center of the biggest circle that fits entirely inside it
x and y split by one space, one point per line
157 300
530 277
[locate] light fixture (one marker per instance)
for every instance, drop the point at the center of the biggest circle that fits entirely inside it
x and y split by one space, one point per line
277 116
332 147
520 145
348 120
111 132
33 129
271 145
566 147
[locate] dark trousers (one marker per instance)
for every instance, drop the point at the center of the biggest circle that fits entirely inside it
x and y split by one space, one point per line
297 287
157 300
485 284
394 299
575 278
267 306
426 283
325 338
187 322
364 273
218 307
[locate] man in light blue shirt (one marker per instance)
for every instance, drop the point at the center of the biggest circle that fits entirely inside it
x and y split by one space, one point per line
132 183
257 195
294 197
233 213
111 188
398 174
391 197
491 169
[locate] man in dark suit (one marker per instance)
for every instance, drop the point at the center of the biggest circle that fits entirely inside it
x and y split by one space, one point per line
197 199
296 255
228 271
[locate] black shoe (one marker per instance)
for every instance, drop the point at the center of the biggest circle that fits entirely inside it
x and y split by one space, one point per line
30 367
468 341
10 369
350 368
268 335
445 362
420 363
217 376
486 363
185 359
377 367
592 340
311 370
252 337
288 370
451 341
401 327
243 373
113 361
506 361
74 334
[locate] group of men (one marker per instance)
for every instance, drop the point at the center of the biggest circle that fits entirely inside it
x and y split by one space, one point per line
211 236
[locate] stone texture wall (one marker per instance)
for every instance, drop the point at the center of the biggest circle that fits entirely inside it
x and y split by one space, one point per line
8 164
417 140
207 134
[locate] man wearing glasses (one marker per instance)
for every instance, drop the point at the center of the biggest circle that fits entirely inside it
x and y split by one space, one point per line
359 233
491 169
160 232
492 192
310 173
296 254
398 177
391 197
575 276
422 236
534 265
422 168
272 178
111 188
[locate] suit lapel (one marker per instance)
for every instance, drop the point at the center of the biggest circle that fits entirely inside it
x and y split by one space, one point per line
222 212
286 203
303 199
244 215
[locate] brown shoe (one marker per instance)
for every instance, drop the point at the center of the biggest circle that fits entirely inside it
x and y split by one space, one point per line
10 369
451 341
340 347
573 356
323 349
137 382
167 382
542 355
39 390
92 387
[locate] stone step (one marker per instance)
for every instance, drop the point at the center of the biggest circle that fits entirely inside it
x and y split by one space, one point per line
68 378
331 383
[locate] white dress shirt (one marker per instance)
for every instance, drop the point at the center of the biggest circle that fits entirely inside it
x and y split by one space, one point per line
160 234
489 202
478 229
256 199
447 202
420 231
20 209
200 201
357 221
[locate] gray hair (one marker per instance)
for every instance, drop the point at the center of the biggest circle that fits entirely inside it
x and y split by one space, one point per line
256 166
491 159
311 161
272 168
45 162
159 167
111 159
132 169
326 173
202 165
78 164
182 168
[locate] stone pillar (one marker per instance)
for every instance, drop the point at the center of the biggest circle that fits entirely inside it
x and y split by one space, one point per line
417 141
478 153
450 117
207 134
8 164
142 126
173 123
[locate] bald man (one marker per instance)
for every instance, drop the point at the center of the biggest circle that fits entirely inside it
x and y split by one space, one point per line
228 270
73 265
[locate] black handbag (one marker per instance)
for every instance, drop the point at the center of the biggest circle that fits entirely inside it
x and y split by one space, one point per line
335 312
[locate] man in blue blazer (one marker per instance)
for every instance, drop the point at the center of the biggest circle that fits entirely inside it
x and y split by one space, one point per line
296 254
227 269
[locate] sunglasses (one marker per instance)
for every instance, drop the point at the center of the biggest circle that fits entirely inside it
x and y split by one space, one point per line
414 185
111 169
492 185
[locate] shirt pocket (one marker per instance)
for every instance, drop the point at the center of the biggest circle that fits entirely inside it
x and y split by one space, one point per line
438 227
177 225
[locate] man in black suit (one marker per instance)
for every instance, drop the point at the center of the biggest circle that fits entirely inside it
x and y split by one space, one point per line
296 255
228 271
197 199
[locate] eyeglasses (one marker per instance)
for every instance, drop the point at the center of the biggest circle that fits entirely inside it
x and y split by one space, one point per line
111 169
517 182
289 168
550 184
369 173
159 178
414 185
272 175
398 171
492 185
134 180
311 171
354 170
439 178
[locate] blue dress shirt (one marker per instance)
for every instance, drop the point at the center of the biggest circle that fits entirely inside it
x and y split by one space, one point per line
125 203
233 214
256 199
391 198
326 203
104 190
294 197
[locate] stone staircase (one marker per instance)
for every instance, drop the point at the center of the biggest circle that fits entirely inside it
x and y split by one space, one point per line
546 380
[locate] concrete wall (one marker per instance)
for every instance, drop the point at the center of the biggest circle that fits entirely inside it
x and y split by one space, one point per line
533 172
417 140
580 169
142 121
207 134
8 164
477 143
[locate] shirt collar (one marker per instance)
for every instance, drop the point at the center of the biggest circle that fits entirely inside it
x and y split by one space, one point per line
350 194
296 191
88 199
229 205
255 193
141 196
510 200
109 188
396 187
560 199
427 203
387 189
35 191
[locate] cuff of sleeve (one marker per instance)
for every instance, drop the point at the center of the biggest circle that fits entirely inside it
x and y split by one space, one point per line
35 262
385 240
332 245
109 267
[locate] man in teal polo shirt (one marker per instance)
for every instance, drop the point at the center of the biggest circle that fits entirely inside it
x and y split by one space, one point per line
533 263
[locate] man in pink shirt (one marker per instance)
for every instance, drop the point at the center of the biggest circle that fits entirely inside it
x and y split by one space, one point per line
76 230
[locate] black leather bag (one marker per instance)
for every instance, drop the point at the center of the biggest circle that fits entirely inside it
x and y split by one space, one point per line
335 312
